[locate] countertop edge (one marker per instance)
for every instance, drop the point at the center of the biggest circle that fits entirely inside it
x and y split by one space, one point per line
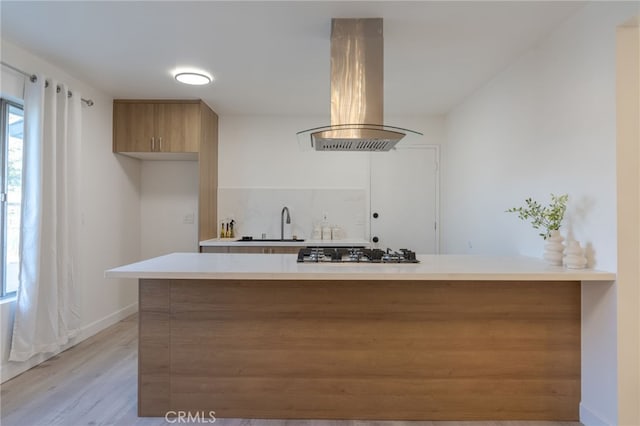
534 276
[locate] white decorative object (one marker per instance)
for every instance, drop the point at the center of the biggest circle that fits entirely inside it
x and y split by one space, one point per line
553 248
574 256
337 233
317 233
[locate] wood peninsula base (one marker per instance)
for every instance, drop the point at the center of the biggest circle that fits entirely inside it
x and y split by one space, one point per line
360 349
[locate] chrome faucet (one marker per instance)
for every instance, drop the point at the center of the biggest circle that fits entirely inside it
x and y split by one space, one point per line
284 209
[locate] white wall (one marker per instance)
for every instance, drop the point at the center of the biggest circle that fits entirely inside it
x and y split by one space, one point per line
262 153
547 124
110 218
168 207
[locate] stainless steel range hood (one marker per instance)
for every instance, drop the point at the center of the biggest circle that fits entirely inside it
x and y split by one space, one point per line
357 83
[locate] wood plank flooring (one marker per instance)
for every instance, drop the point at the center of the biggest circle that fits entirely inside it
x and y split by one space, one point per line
95 383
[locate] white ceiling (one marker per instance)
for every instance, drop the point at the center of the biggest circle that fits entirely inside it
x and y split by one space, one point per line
273 57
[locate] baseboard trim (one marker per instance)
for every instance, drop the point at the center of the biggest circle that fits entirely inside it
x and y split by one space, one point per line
590 418
99 325
11 369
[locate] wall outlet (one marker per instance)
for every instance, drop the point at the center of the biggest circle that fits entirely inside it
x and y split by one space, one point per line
188 219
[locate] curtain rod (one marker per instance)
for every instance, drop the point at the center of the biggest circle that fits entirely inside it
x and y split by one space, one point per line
33 78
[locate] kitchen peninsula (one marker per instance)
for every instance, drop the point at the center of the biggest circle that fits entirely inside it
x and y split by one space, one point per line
449 338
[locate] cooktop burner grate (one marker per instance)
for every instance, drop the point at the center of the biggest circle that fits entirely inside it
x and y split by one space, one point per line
354 255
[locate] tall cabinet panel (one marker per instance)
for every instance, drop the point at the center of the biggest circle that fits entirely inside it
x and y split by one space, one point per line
208 175
173 130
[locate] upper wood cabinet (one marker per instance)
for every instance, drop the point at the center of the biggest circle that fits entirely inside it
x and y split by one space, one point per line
142 126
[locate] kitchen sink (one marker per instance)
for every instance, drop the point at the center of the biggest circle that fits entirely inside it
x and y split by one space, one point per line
269 240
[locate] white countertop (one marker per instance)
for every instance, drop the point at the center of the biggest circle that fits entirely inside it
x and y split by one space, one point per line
233 242
285 267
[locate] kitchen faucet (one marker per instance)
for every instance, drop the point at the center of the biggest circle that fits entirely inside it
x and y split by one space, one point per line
285 208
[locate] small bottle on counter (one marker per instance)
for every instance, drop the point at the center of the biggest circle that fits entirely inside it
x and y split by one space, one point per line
222 230
326 229
326 232
336 232
231 233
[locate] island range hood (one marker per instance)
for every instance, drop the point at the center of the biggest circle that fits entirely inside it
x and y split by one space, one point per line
357 68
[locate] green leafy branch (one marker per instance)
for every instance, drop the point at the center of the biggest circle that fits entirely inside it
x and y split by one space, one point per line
547 218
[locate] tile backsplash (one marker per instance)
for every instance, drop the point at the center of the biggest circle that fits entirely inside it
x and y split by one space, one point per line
257 211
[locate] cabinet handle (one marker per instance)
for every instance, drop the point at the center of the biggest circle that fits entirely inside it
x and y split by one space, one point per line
160 144
153 144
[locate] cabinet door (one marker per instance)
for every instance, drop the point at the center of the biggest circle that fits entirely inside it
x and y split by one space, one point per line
133 127
178 127
250 249
263 249
285 250
214 249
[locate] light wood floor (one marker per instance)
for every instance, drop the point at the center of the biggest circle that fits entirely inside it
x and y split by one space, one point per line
94 383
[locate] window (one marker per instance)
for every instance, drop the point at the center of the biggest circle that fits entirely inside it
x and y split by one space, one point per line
12 121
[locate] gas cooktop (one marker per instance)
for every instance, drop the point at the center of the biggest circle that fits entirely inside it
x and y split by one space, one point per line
355 255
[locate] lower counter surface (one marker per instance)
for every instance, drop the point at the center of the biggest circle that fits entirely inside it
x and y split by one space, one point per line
355 349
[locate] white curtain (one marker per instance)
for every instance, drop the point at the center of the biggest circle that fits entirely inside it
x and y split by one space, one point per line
47 312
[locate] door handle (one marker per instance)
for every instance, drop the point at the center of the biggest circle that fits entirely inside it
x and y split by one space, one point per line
153 144
160 144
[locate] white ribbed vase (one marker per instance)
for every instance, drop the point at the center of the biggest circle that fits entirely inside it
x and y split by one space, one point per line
574 256
553 248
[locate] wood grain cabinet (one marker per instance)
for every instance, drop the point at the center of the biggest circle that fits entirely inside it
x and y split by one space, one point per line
252 249
173 130
141 126
285 250
265 249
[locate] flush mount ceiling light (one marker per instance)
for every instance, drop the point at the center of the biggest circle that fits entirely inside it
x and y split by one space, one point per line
194 78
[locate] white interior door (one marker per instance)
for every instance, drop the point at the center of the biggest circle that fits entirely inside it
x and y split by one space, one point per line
405 198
